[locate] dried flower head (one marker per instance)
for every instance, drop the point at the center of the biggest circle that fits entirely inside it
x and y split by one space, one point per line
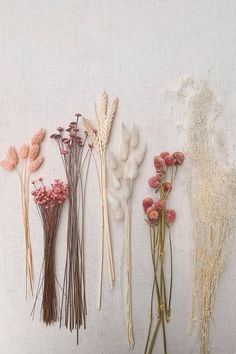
163 154
153 215
159 163
147 203
38 137
23 151
159 204
167 186
179 158
35 164
34 151
154 182
169 160
170 216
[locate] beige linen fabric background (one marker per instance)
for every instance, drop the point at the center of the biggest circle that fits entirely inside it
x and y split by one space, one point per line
56 57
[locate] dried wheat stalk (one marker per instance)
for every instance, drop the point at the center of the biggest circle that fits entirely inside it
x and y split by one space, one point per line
212 197
125 171
100 138
29 162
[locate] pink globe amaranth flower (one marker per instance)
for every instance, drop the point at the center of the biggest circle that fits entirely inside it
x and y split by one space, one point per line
167 186
169 160
163 154
179 158
154 182
147 203
170 216
153 215
159 205
159 163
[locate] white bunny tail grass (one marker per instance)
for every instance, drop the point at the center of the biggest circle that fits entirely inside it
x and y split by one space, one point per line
99 138
212 198
126 171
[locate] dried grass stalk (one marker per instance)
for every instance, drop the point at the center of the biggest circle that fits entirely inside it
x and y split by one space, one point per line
212 197
100 138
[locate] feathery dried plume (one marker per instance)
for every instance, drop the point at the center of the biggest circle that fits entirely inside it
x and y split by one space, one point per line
35 164
6 165
12 156
123 175
23 151
34 151
38 137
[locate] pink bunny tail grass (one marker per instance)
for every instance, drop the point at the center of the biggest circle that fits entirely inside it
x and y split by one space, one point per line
6 165
35 164
38 137
34 152
23 151
12 156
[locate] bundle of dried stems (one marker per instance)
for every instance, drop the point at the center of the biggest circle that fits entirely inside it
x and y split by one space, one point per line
100 138
212 197
159 220
30 161
76 161
49 202
124 172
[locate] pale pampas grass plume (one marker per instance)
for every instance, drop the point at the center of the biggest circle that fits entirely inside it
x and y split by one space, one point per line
34 151
139 154
124 151
35 164
12 156
125 134
134 138
23 151
38 137
112 162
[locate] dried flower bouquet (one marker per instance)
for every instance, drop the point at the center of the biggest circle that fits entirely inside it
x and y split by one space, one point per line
76 156
159 220
100 139
49 202
29 160
125 168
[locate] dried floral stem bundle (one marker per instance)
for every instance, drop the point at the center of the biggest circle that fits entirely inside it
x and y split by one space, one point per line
210 181
76 163
125 171
159 220
49 202
100 138
30 161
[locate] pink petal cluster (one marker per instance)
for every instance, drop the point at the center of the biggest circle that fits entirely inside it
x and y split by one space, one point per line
165 159
47 197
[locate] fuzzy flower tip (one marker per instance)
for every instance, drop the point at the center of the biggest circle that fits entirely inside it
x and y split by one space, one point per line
23 151
152 215
34 152
12 156
179 158
154 182
38 137
159 163
6 165
35 164
147 203
170 216
163 154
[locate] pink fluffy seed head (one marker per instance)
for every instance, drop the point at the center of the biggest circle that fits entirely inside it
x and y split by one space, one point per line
159 205
35 164
38 137
34 151
23 151
12 156
6 165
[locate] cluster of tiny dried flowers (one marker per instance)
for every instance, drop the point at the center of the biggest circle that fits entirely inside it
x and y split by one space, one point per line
49 197
67 143
153 208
